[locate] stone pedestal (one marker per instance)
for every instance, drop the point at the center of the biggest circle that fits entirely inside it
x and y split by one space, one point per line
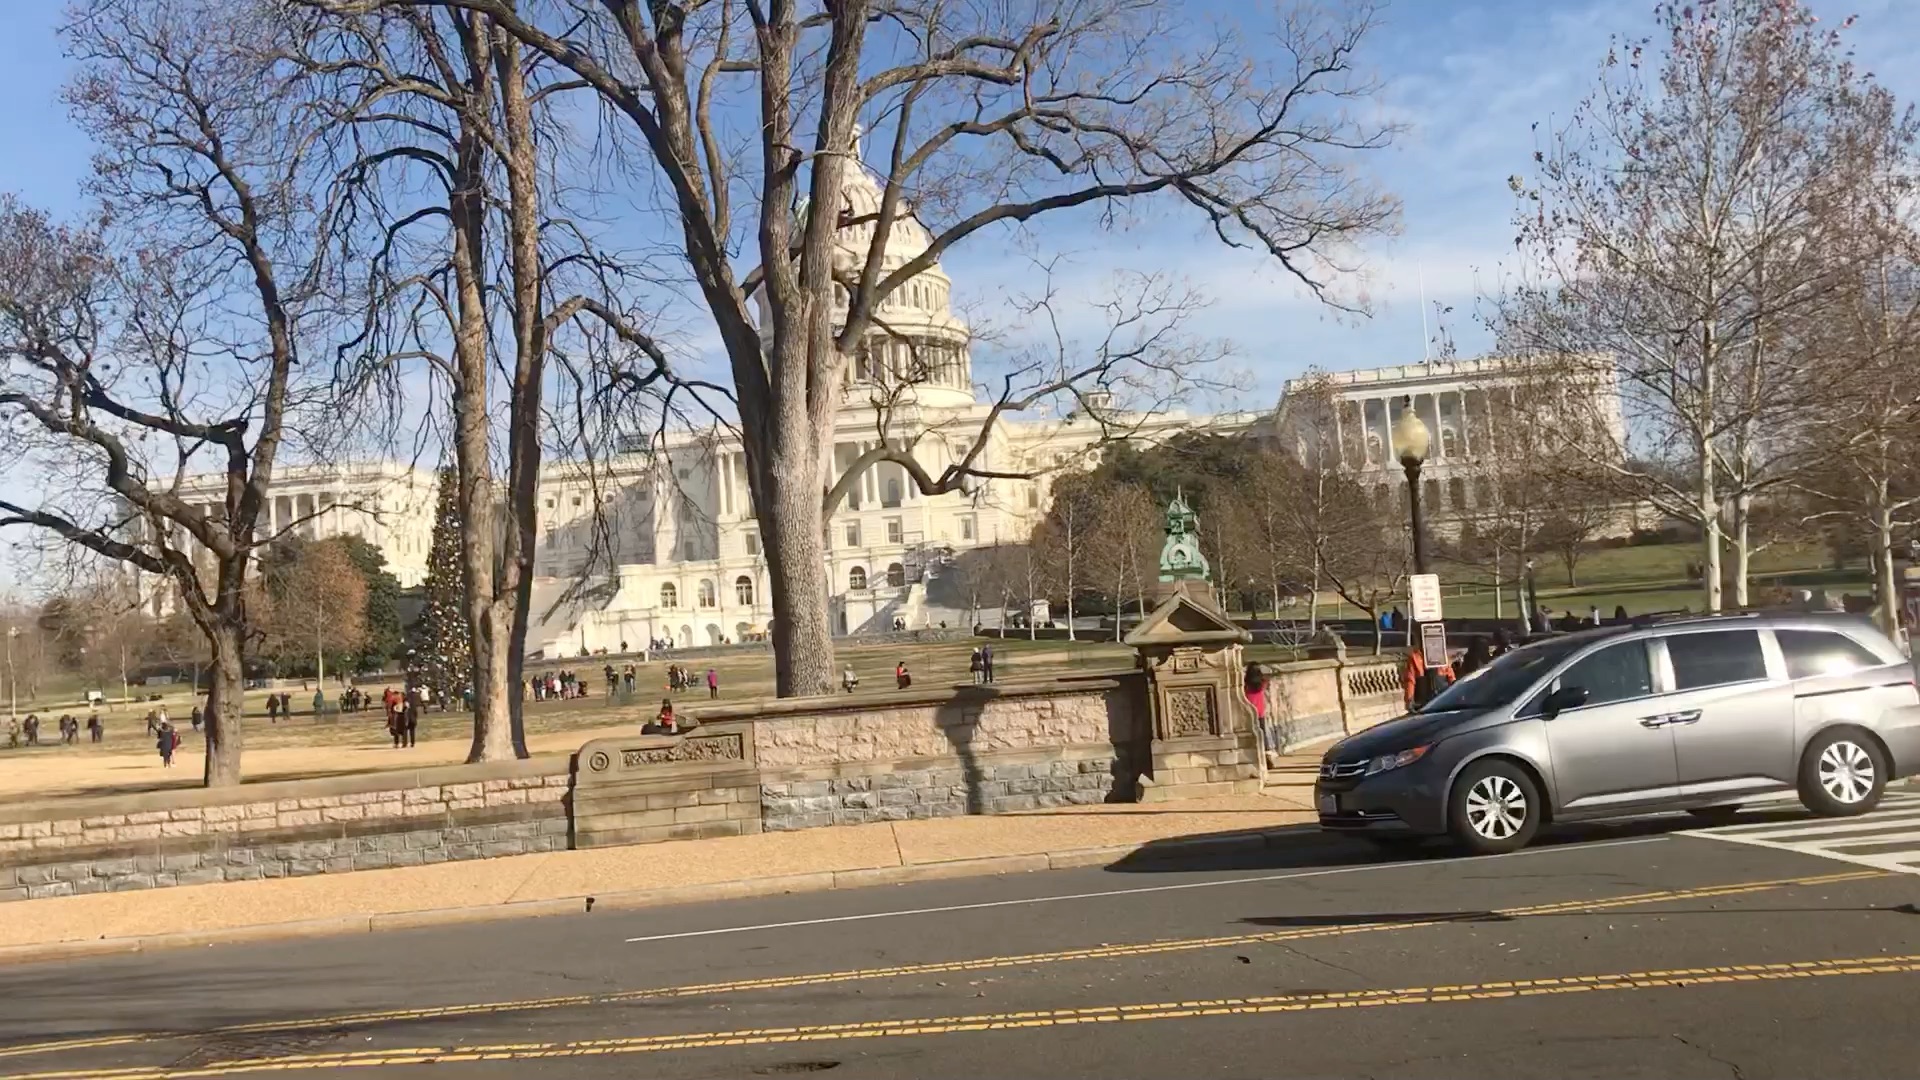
1204 738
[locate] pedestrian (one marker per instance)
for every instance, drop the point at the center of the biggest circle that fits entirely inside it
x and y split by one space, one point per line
273 708
976 668
630 673
1593 614
319 702
286 705
1620 614
33 730
713 684
13 732
613 680
196 716
1254 685
410 727
165 740
848 680
663 721
986 663
1413 686
1479 655
902 678
1501 643
95 728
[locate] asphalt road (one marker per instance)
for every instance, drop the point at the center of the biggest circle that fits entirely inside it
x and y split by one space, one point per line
1620 951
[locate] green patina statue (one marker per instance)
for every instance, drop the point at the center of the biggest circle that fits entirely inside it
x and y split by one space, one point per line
1180 557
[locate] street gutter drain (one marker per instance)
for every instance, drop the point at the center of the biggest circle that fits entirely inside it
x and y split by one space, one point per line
789 1068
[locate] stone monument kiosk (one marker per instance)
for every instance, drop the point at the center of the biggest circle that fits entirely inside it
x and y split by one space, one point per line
1205 741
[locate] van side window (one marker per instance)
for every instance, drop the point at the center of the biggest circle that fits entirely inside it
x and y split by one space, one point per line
1716 658
1616 673
1823 652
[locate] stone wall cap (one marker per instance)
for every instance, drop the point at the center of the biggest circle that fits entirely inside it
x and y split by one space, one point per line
58 808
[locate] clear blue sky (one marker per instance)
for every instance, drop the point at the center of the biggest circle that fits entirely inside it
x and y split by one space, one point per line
1468 78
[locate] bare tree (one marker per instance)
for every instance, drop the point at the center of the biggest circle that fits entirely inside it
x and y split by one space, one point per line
1066 540
1365 556
166 341
1861 468
1124 558
1676 237
477 274
311 601
994 119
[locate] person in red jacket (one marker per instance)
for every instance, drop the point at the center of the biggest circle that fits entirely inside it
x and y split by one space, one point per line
1413 685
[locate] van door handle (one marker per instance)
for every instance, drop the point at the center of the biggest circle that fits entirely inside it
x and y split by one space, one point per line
1692 717
1653 721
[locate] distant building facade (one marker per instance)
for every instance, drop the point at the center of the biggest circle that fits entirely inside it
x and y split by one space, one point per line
1466 405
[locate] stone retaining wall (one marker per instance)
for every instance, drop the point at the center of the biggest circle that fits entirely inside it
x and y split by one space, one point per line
282 829
753 766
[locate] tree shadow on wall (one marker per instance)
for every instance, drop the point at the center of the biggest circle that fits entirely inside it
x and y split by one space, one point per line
1129 732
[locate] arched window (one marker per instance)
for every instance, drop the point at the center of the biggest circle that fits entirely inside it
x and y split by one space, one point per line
708 596
669 596
743 590
892 497
857 578
896 575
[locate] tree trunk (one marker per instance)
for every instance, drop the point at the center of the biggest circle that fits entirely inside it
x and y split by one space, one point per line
1379 635
789 516
1886 587
1313 598
1742 548
1709 509
512 580
226 684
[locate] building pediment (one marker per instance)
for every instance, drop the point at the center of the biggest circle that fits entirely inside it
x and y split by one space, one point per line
1180 620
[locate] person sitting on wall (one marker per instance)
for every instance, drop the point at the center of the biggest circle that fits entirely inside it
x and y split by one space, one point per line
662 724
901 677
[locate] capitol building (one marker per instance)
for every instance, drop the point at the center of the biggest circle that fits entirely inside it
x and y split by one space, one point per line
661 544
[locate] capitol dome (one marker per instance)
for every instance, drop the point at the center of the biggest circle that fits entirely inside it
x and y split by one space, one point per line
915 344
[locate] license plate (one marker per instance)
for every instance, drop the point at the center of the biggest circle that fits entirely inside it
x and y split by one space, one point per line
1329 804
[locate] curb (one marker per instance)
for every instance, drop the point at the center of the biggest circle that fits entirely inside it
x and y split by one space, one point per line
824 881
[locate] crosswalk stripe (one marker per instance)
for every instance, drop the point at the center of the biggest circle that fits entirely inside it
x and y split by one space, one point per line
1886 839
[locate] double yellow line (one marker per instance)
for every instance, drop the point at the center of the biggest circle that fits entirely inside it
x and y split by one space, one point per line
1043 1018
785 982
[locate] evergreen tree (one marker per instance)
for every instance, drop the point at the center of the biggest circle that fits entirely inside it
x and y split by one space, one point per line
443 653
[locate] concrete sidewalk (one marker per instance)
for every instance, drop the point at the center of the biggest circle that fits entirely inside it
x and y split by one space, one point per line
572 882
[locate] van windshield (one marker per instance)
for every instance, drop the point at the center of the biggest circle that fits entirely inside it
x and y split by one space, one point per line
1503 681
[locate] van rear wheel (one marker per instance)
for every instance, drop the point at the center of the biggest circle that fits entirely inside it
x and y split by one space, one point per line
1842 773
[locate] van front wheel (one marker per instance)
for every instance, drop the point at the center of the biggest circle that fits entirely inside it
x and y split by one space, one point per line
1495 808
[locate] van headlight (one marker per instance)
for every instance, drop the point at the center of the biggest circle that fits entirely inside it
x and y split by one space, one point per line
1390 762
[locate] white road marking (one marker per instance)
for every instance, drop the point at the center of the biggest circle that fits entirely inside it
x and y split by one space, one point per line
1829 838
1290 876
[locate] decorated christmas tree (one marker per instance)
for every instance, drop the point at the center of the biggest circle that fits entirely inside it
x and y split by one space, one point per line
443 648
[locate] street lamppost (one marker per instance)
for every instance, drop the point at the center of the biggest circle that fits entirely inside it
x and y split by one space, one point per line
1411 441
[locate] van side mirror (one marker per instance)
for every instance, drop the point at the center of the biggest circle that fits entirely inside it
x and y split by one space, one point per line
1567 697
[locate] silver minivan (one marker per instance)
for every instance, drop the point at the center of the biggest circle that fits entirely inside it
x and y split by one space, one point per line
1698 714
